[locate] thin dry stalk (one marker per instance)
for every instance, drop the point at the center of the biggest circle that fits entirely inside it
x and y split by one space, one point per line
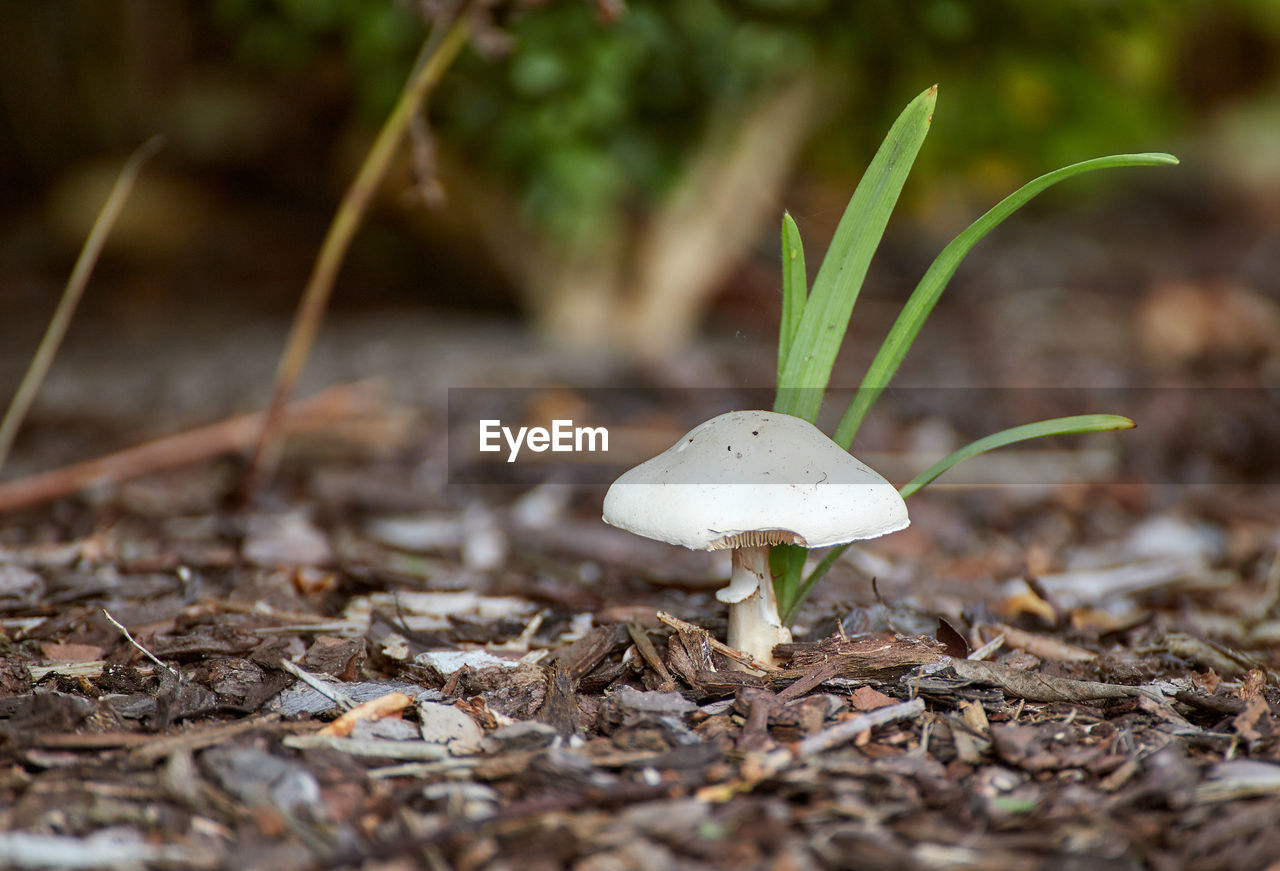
436 57
71 294
129 637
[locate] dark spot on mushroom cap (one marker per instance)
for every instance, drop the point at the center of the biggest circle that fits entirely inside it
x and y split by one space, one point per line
755 432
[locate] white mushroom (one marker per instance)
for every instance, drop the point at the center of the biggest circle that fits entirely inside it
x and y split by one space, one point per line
748 480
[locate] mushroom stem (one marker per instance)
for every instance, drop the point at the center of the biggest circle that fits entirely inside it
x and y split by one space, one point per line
754 624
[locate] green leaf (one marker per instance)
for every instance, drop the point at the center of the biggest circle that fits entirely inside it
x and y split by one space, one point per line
1080 423
822 326
795 286
925 296
786 563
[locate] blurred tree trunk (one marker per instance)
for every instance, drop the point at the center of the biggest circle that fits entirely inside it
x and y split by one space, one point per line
709 222
644 296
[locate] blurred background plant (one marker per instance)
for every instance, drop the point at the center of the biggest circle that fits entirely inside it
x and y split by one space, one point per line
610 165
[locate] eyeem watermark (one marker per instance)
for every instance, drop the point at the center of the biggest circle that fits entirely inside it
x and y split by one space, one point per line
563 437
589 436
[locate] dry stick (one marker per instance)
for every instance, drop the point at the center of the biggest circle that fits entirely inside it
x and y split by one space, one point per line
819 675
719 646
987 650
330 691
147 653
355 202
648 652
76 284
158 748
225 437
855 726
775 761
375 709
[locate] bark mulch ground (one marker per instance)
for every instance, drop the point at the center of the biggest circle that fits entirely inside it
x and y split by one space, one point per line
371 673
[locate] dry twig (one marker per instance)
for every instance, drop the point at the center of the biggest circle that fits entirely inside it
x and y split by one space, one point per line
147 653
855 726
330 691
199 738
225 437
76 284
719 646
375 709
435 58
1034 687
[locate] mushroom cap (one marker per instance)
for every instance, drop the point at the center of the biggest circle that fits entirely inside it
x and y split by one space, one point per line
753 478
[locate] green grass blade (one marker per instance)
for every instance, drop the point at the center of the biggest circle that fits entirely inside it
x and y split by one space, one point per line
795 287
1080 423
835 290
786 562
789 611
926 294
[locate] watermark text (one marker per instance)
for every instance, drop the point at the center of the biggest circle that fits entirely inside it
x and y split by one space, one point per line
563 436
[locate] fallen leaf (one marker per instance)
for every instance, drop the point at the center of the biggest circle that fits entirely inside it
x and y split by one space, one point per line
1254 724
69 652
868 699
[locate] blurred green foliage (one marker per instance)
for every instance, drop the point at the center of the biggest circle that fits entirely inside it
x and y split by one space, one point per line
587 117
376 38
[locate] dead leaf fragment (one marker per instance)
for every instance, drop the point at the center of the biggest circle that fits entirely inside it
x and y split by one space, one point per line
1251 686
1255 723
71 652
446 724
868 699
